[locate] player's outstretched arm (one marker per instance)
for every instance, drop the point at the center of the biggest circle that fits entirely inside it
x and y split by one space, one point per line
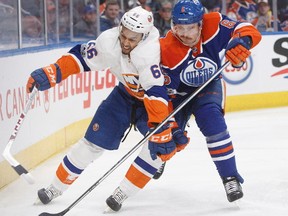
44 78
47 77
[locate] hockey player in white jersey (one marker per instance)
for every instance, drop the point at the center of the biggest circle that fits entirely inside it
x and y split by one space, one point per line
132 53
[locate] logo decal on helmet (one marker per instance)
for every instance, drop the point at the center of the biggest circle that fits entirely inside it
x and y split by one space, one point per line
183 9
150 18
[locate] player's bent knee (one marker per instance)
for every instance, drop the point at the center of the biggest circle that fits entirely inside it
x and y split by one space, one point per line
83 153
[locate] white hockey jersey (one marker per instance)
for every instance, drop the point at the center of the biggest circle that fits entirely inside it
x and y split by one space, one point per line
139 72
135 71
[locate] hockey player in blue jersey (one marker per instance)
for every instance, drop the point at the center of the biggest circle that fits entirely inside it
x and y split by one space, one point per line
189 57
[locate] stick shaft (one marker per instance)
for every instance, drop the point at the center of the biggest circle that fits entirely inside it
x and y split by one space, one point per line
7 151
127 155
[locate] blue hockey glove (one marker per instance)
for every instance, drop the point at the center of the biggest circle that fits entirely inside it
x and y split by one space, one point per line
237 51
180 138
161 144
44 78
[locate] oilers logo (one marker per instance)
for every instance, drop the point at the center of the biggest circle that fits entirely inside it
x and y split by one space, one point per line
198 71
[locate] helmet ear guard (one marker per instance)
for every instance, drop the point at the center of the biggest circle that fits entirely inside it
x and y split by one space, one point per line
138 20
187 12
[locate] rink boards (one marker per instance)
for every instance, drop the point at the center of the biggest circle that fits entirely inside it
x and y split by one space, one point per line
60 116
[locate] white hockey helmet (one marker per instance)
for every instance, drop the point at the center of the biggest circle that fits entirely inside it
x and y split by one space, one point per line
138 20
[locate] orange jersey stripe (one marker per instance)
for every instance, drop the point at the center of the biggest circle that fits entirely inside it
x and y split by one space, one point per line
220 151
136 177
63 175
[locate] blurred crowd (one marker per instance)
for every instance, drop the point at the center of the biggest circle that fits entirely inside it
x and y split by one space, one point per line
54 21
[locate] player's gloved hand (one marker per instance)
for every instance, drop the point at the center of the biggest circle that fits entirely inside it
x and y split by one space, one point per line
180 138
237 51
44 78
161 144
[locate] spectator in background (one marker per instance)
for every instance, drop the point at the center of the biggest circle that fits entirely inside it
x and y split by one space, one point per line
31 29
8 21
265 20
102 6
284 25
212 5
31 26
51 21
282 6
243 10
87 26
142 3
162 18
64 19
283 13
94 2
111 15
155 5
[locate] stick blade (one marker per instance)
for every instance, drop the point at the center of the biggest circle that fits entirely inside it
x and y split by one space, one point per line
24 173
28 178
55 214
50 214
19 169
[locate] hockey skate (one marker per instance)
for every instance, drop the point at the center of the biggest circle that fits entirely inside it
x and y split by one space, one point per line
115 201
233 188
48 194
160 171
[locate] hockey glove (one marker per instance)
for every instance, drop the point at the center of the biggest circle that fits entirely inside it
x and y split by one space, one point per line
180 138
161 144
237 51
44 78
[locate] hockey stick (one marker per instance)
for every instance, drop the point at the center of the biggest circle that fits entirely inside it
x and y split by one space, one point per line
7 154
138 145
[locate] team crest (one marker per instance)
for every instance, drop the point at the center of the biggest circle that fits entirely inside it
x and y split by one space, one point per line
133 84
198 71
96 127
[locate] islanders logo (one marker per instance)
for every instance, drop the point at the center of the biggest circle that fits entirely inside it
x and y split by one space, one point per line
236 76
133 84
198 71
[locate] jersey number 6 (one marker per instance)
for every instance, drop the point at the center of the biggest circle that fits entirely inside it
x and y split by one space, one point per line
156 71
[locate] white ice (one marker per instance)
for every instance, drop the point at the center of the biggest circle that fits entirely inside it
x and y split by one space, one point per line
190 184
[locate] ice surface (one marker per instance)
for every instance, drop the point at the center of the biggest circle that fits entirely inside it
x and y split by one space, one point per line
190 184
